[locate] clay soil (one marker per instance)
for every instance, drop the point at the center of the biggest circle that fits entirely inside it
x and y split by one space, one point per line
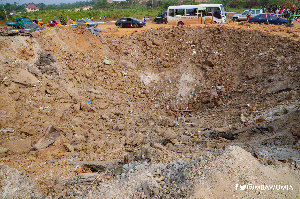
167 112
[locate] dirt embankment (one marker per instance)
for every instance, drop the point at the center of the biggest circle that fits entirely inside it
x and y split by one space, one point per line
165 107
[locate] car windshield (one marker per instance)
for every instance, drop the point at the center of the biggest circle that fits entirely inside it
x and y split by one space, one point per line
245 12
57 21
222 9
26 20
87 20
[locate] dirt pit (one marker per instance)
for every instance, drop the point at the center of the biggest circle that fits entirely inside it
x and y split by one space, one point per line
169 112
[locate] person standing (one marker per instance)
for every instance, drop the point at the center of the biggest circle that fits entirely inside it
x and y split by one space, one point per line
62 20
104 18
144 19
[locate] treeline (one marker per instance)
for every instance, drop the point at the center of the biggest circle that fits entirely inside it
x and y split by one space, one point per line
258 3
21 7
100 4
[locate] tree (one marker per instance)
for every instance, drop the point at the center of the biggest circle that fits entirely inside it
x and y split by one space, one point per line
101 3
166 3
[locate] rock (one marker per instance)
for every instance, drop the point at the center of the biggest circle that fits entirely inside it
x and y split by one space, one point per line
181 119
88 175
45 59
107 61
243 118
3 150
17 184
18 146
95 31
25 78
96 166
50 136
297 145
68 147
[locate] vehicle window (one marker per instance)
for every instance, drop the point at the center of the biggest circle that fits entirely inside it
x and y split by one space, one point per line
179 12
171 13
263 16
245 12
217 13
273 17
128 19
257 11
208 12
26 20
191 12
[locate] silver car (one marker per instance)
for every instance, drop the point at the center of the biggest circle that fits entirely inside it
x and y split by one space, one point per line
247 13
86 22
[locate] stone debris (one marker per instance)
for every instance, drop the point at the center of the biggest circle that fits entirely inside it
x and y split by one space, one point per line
49 138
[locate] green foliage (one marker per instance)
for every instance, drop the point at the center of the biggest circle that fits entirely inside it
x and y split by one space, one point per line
2 14
166 3
112 13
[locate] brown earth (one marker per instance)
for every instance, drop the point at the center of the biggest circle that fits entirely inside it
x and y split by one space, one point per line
178 111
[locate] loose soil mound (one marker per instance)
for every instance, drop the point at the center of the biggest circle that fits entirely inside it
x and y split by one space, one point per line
145 101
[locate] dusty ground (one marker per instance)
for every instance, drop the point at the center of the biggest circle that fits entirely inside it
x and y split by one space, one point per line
175 112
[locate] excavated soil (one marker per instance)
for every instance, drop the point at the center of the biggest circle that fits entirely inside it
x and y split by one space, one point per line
167 112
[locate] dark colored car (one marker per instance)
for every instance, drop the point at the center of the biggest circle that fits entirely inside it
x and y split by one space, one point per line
161 18
267 18
129 22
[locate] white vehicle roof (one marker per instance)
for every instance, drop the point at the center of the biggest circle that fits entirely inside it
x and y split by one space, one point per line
194 6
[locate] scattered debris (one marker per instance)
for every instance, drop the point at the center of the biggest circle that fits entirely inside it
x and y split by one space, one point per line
107 61
49 138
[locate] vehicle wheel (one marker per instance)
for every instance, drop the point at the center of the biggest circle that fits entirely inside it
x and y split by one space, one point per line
180 23
120 25
136 25
235 19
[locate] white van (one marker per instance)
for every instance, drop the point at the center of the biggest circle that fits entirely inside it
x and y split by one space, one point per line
196 14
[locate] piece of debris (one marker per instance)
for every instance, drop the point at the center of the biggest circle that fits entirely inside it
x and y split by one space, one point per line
51 135
96 166
108 61
95 31
25 78
3 150
69 147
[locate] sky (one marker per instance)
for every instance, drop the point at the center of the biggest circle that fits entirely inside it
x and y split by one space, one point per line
47 2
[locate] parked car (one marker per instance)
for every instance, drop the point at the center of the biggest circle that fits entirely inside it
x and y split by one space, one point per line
53 23
161 18
267 18
129 22
38 22
245 14
86 22
20 23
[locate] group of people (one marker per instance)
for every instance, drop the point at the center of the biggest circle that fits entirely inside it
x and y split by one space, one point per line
288 13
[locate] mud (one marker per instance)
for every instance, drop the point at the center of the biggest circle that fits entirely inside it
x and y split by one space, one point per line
178 110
